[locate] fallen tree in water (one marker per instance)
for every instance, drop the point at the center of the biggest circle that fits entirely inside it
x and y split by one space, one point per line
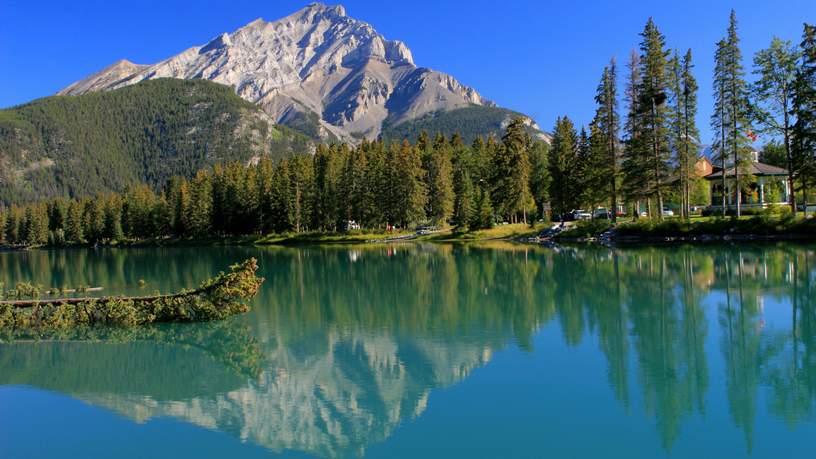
216 299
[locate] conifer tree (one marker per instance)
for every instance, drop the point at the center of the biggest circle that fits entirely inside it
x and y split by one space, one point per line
3 219
737 108
635 184
690 133
113 219
562 165
607 124
511 174
94 220
409 191
652 93
438 181
483 210
36 225
279 200
539 175
57 213
197 212
720 117
775 68
73 224
463 205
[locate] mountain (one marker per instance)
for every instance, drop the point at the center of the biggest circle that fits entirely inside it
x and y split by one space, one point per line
469 122
316 70
148 132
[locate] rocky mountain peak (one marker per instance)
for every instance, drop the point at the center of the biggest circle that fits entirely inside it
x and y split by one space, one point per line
316 69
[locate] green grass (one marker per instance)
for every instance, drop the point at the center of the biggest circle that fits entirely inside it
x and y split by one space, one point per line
326 238
765 224
513 231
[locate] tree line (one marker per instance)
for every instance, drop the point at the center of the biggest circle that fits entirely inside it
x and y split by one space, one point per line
653 162
377 185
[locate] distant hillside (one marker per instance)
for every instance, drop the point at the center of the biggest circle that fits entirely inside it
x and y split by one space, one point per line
470 122
82 145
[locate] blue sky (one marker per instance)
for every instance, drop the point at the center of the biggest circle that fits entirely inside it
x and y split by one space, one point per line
538 57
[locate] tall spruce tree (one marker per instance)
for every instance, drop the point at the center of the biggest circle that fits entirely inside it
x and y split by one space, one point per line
36 224
720 118
607 126
511 173
439 181
652 116
737 107
635 183
690 133
539 175
463 193
562 164
773 91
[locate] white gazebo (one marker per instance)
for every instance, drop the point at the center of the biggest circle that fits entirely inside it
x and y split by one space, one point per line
770 186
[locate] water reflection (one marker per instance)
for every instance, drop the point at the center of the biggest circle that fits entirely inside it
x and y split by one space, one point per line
346 344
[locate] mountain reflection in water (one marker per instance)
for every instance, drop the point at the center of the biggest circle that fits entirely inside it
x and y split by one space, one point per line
344 345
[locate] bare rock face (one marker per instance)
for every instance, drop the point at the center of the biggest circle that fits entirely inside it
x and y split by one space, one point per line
315 64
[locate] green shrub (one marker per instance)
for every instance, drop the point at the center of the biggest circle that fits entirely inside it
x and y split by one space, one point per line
586 228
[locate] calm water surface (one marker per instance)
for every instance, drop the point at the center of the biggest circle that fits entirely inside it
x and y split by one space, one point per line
430 351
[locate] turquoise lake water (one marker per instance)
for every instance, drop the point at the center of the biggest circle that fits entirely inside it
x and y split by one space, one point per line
432 351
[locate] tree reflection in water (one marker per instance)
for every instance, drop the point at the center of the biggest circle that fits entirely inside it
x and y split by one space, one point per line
345 344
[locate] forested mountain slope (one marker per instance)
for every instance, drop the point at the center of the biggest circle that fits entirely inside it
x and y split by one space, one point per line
145 133
469 122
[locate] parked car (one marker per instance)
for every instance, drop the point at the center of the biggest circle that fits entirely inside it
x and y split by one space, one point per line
581 214
668 212
601 213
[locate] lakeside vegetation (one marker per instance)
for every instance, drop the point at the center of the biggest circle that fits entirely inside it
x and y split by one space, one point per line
391 188
21 308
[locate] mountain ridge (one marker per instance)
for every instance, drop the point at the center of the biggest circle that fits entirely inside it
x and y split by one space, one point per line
316 69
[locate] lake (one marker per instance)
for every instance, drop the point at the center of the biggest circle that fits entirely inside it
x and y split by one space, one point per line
412 350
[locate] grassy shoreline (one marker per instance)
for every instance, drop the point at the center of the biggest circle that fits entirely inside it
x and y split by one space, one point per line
700 230
761 227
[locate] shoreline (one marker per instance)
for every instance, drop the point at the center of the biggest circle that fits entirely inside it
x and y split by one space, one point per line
522 234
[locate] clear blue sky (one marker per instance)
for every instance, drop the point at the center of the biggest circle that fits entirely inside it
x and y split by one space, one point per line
538 57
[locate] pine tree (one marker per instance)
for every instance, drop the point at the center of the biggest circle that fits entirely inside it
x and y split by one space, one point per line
93 219
652 93
113 219
483 211
775 68
688 145
635 184
279 199
36 225
197 212
539 175
3 219
511 174
438 182
73 224
57 213
803 134
463 193
737 107
720 116
409 191
562 166
607 123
